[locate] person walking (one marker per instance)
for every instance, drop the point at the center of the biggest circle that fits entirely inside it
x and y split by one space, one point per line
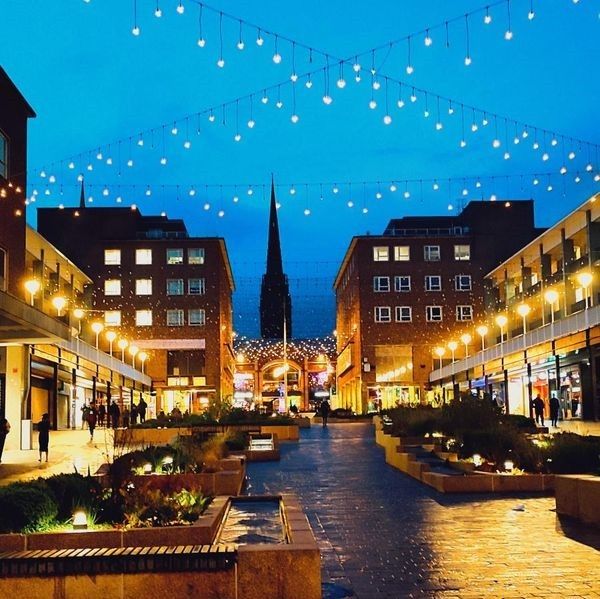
4 430
554 409
101 413
538 408
115 413
325 409
134 414
125 418
85 410
92 419
44 435
141 409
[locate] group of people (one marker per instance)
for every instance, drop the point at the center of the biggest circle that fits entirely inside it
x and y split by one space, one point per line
92 415
539 406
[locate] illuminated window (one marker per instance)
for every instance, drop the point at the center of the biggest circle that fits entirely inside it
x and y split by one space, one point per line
381 284
143 286
112 287
175 256
431 253
112 318
433 283
462 282
433 313
403 314
383 314
402 283
143 256
381 254
3 156
464 313
143 318
196 317
402 253
195 255
112 257
175 318
174 286
462 252
196 287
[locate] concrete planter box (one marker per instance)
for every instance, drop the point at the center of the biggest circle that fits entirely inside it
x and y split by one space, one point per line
578 496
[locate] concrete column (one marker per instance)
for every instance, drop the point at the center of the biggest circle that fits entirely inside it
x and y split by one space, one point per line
16 383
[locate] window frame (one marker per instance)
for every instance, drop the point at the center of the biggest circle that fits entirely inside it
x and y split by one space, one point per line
117 252
398 313
143 311
117 322
377 284
174 263
432 288
378 313
379 251
429 313
201 311
398 286
180 313
459 313
459 287
428 251
181 287
197 260
137 253
115 281
138 283
201 286
462 245
398 257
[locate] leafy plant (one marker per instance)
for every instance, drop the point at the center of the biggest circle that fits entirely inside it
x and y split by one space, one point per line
73 491
569 453
26 507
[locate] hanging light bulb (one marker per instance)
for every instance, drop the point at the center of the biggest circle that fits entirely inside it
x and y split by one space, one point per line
187 144
545 156
378 195
426 113
109 161
306 212
376 85
506 155
356 67
279 104
485 122
251 124
365 210
496 143
563 170
350 204
536 181
468 61
478 184
292 191
250 191
264 99
393 188
130 163
236 199
508 35
525 134
372 104
259 39
410 69
516 140
277 58
52 179
221 63
531 15
221 213
99 155
554 142
135 31
406 194
163 160
211 117
549 188
571 155
428 41
327 99
192 192
487 19
158 13
400 103
240 45
536 145
140 142
105 191
206 206
413 97
435 186
201 42
387 119
474 127
577 179
237 137
180 8
148 191
341 83
71 165
294 118
335 189
308 83
439 126
589 167
463 143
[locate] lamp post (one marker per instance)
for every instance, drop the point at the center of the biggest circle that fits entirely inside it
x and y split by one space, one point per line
32 286
97 327
585 280
501 321
123 343
466 339
452 345
59 302
133 351
523 310
551 296
110 336
439 352
143 356
482 331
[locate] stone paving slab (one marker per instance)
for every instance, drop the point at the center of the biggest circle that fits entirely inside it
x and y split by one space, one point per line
384 535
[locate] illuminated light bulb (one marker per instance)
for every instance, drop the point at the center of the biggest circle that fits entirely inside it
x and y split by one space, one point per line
251 124
236 199
52 179
545 156
496 143
410 69
90 167
90 199
250 191
549 188
201 42
554 142
308 83
487 19
597 178
400 103
571 155
536 181
341 83
516 140
426 114
508 35
174 130
468 61
465 192
365 210
207 206
327 99
435 187
220 63
378 195
79 178
192 192
105 191
99 155
450 110
463 143
506 155
577 179
140 142
260 40
292 191
278 205
450 207
180 8
439 126
357 78
478 184
589 167
493 197
221 213
428 40
376 85
119 199
187 144
335 189
237 137
240 45
356 67
350 204
109 161
294 118
372 104
158 13
407 194
294 77
387 119
474 127
47 192
71 165
61 206
485 122
563 170
373 70
135 31
264 99
130 163
148 192
279 104
393 188
211 117
531 15
306 212
525 134
277 58
43 174
413 98
163 160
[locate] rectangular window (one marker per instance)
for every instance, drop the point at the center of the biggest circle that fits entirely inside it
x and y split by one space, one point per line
112 257
3 156
112 287
433 313
175 318
143 318
174 286
196 287
402 253
381 254
403 314
175 256
383 314
381 284
433 283
143 256
195 255
462 282
112 318
143 286
431 253
196 317
402 283
464 313
462 252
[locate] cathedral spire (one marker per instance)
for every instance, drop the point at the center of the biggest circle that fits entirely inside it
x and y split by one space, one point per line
82 196
274 262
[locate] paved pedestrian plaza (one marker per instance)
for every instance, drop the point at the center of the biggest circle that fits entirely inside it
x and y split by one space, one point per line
384 535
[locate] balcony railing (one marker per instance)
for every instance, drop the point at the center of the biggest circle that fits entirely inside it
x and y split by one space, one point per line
561 328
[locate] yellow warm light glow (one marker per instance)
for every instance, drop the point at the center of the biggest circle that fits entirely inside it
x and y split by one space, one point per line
123 343
133 350
523 310
78 313
240 358
79 520
439 351
501 320
143 356
551 296
584 279
59 302
466 338
452 345
97 327
482 330
32 286
277 372
111 336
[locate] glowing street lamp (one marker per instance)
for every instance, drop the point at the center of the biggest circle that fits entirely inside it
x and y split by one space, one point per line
452 345
523 310
123 343
466 339
501 321
482 331
439 352
59 302
551 296
97 327
143 356
110 336
133 351
585 280
32 286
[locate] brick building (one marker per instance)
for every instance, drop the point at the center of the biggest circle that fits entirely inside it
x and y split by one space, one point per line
399 292
164 292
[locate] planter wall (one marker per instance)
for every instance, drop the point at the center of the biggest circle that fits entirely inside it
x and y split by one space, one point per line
578 496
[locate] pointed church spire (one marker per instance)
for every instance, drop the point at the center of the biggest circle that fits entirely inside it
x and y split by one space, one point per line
82 196
274 262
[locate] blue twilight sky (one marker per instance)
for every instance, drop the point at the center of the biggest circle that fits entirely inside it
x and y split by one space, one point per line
92 83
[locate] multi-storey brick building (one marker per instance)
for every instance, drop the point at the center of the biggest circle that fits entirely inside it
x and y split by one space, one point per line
398 292
161 290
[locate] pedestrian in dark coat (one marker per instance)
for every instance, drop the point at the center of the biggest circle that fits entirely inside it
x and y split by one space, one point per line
92 419
325 409
44 435
141 408
115 413
101 414
554 410
538 408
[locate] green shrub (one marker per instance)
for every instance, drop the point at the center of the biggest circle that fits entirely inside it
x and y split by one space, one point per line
239 416
409 422
26 507
468 413
518 421
569 453
73 491
236 440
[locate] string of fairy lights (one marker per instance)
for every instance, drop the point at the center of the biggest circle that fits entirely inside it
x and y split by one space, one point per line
507 131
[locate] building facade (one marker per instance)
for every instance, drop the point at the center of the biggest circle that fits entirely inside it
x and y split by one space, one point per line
165 293
540 334
398 292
